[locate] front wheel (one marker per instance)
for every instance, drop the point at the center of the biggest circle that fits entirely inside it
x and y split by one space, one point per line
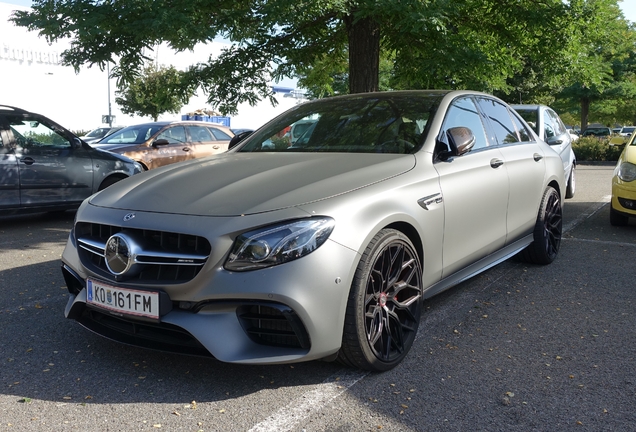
384 305
547 230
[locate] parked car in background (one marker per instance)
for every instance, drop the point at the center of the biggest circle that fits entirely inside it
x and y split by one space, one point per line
623 204
99 133
627 131
161 143
321 250
597 132
45 167
547 124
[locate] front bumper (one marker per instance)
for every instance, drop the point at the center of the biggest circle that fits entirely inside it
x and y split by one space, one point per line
624 197
287 313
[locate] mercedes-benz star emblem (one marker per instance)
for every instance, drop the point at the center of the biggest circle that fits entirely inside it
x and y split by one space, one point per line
129 216
117 254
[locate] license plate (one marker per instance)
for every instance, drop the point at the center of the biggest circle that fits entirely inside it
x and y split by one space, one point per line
123 300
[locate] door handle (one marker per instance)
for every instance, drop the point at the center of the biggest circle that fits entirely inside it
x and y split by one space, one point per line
28 160
496 162
216 147
186 149
537 157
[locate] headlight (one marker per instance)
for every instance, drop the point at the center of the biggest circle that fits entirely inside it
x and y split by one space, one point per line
627 172
277 244
138 168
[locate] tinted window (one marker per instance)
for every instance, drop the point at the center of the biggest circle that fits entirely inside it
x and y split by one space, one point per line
559 127
200 134
380 124
132 135
31 133
524 133
220 135
463 112
530 116
174 135
499 120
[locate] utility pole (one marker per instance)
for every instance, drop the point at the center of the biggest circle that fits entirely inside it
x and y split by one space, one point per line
110 116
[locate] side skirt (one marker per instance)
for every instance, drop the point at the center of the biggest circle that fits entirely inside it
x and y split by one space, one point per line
479 266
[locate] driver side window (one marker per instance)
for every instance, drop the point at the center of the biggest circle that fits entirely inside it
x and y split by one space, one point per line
464 113
33 134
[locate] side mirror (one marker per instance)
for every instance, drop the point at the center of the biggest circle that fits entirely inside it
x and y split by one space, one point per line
160 142
461 139
76 143
553 140
238 138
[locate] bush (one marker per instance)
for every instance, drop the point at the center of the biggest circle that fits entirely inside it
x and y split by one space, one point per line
595 149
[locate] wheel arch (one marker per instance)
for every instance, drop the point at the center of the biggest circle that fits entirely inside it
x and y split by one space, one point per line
413 235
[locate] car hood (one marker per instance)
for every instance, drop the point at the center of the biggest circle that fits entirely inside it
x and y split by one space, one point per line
234 184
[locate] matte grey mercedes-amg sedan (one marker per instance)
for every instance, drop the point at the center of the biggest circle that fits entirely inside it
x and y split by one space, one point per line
324 248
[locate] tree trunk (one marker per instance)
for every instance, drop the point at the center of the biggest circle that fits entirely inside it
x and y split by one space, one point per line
585 112
364 54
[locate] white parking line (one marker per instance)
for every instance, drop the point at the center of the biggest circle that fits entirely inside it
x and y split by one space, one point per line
288 417
591 211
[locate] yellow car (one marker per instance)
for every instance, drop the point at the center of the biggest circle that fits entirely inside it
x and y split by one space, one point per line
624 185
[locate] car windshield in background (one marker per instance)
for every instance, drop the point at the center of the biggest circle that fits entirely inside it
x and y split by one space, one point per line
131 135
390 124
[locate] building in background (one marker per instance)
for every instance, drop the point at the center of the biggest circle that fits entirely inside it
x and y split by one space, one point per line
32 78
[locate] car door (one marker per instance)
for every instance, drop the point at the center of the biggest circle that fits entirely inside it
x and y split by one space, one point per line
9 175
475 193
204 142
523 158
52 169
173 147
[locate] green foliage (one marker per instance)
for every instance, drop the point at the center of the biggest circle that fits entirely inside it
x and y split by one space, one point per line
154 92
573 54
594 149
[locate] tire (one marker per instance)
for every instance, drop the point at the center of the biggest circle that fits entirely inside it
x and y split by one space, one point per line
547 230
384 305
617 218
109 181
570 190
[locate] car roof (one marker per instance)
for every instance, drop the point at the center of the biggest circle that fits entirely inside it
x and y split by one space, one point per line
180 122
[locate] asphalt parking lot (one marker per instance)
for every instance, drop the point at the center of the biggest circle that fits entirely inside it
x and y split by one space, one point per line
517 348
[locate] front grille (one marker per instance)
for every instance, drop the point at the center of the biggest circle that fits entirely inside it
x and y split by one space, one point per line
167 257
273 324
162 337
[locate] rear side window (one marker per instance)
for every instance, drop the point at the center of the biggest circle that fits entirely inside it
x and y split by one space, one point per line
200 134
524 134
220 135
500 121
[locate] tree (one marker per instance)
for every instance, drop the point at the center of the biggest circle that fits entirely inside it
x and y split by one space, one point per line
604 76
156 91
477 44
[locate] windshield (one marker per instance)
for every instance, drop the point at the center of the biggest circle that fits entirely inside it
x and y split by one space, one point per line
132 135
379 124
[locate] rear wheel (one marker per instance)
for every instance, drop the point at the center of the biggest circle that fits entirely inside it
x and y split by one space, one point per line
571 187
384 305
617 218
547 230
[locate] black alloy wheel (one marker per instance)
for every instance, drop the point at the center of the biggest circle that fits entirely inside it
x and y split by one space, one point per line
385 304
547 231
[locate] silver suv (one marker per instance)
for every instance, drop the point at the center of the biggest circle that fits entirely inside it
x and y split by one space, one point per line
45 167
